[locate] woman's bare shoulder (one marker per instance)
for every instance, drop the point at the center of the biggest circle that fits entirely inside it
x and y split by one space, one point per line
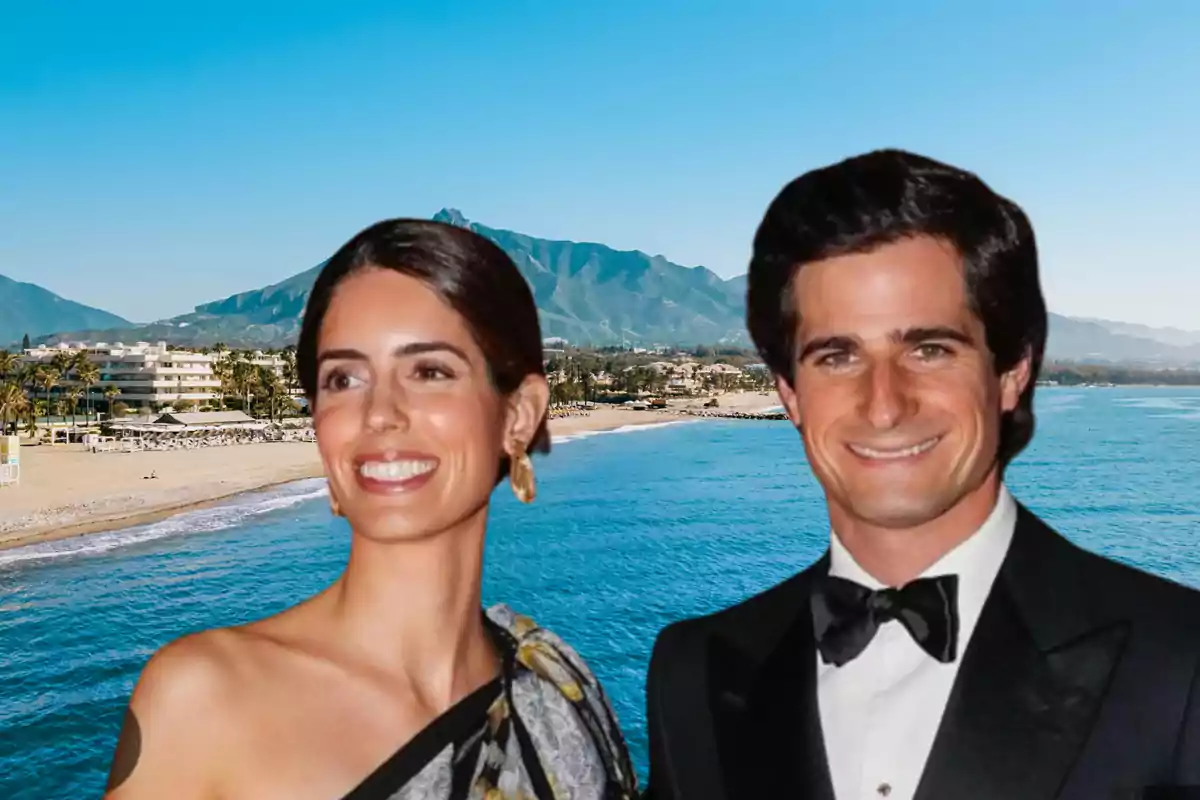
199 666
186 709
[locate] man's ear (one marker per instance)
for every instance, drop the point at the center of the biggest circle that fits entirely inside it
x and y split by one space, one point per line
787 396
1014 381
526 409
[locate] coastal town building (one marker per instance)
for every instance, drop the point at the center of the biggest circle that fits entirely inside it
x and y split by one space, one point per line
200 419
689 377
148 375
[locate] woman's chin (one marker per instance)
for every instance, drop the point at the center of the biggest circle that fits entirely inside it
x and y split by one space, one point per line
395 531
392 522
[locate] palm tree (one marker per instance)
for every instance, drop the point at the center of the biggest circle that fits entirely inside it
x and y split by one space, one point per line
45 378
291 373
245 379
110 394
223 372
33 411
63 363
9 364
13 404
24 376
269 381
73 394
88 375
557 393
630 380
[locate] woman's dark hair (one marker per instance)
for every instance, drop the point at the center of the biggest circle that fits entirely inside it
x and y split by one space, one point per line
470 273
862 203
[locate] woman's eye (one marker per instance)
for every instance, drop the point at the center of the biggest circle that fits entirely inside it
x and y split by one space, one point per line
432 372
337 380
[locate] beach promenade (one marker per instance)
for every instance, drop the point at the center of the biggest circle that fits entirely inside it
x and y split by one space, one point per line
65 490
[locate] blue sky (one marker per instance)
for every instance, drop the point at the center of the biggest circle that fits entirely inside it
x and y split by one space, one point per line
169 154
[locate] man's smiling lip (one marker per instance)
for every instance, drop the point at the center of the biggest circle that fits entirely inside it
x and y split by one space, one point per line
894 454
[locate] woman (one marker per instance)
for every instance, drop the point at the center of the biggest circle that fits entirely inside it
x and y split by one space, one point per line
421 356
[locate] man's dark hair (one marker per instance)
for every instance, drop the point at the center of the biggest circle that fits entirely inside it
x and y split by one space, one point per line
470 273
862 203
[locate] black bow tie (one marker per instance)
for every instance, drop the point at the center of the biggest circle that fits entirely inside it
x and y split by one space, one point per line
846 616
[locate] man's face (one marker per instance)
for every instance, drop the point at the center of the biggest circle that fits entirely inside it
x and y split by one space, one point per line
894 389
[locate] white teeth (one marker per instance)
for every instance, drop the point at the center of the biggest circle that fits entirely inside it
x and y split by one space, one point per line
907 452
395 470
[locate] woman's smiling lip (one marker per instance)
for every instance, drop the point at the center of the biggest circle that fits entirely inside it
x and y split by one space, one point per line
394 472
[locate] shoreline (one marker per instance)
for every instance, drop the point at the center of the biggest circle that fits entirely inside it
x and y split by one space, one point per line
113 504
132 520
112 491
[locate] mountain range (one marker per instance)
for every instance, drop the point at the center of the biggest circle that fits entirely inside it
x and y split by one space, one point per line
29 309
586 293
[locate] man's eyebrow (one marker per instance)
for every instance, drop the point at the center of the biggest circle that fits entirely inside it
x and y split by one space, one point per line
918 335
410 349
846 343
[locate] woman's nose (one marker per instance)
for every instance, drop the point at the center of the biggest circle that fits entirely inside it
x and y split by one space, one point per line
387 407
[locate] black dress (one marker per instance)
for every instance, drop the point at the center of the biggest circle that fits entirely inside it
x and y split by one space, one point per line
545 721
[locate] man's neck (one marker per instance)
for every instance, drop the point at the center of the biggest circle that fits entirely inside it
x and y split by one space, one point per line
896 556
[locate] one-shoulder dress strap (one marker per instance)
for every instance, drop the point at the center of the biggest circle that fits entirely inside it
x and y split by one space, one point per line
538 652
453 738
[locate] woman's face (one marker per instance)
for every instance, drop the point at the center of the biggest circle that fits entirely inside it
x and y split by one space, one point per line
411 430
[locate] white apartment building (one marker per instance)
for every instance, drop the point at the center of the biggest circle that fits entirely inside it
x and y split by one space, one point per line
150 375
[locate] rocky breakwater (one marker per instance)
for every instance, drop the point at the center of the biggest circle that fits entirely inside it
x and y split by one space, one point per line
716 413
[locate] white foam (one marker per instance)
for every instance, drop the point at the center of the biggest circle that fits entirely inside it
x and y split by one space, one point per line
1173 403
573 437
218 517
231 513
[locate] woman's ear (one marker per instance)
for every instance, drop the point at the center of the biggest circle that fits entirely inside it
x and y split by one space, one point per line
526 409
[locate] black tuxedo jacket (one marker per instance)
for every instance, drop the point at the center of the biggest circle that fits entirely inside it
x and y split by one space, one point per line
1080 682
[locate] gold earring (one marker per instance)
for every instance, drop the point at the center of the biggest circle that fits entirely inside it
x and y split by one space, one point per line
520 477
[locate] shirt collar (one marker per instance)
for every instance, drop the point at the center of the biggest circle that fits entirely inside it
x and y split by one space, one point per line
976 561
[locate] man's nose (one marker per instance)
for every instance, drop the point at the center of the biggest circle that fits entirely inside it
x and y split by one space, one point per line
886 397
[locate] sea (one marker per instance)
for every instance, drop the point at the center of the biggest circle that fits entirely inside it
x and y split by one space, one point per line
631 529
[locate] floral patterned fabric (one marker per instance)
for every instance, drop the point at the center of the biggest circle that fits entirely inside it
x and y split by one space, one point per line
549 734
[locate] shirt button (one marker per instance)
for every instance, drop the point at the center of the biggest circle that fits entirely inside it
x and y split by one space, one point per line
884 789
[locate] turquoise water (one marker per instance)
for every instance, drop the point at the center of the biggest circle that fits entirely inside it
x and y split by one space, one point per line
630 530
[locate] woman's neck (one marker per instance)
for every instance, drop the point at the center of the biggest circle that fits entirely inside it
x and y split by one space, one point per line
412 610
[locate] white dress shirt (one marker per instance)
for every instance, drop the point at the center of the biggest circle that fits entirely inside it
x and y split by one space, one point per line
881 711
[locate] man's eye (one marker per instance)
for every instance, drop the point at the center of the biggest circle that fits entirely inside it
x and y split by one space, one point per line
930 351
838 359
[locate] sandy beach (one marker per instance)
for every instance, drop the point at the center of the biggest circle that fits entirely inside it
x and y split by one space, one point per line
67 491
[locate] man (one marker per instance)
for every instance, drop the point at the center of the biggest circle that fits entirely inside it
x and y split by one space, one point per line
949 644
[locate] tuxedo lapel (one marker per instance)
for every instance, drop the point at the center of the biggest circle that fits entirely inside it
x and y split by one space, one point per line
763 696
1032 680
